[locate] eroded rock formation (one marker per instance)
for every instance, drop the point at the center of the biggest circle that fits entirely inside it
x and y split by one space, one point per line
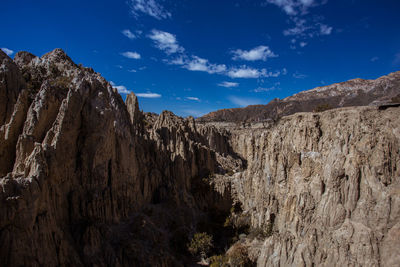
89 180
82 182
328 185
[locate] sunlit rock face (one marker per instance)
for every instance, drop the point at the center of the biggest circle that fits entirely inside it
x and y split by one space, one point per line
329 185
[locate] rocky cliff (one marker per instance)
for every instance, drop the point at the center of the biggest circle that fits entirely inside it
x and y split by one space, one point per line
356 92
90 180
325 186
84 182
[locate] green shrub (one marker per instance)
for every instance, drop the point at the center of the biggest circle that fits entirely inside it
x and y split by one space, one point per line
200 244
219 261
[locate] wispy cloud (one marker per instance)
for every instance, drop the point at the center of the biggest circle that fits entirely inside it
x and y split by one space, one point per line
396 60
248 72
267 89
374 59
193 98
165 41
298 75
303 26
132 55
295 7
121 89
128 34
303 44
228 84
244 102
9 52
299 29
257 53
148 95
325 29
149 7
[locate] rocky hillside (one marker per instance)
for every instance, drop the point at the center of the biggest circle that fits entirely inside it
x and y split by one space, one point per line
88 180
357 92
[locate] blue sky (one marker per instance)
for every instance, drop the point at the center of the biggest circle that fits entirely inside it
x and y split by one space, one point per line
193 57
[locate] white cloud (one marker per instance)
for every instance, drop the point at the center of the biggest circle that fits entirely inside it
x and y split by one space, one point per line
295 7
168 43
258 53
148 95
128 34
228 84
246 72
264 89
165 41
132 70
303 44
196 63
132 55
149 7
121 89
9 52
201 64
244 102
303 28
193 98
325 29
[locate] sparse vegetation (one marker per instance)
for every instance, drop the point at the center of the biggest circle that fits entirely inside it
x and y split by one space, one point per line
238 256
396 99
200 245
322 107
62 82
219 261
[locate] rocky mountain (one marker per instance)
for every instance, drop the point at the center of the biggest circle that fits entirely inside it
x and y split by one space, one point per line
89 180
357 92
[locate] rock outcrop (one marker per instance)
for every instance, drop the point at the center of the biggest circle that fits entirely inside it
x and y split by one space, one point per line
87 179
356 92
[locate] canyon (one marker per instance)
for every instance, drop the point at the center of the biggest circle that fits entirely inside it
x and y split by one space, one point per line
90 180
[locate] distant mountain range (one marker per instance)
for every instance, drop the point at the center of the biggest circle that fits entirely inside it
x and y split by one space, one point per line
356 92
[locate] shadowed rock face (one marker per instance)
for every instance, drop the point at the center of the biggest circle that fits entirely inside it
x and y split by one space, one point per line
82 183
88 180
